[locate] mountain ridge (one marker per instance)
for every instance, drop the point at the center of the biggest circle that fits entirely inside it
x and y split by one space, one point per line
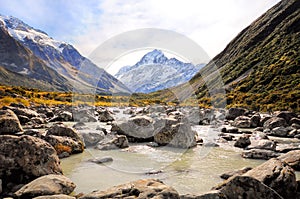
80 72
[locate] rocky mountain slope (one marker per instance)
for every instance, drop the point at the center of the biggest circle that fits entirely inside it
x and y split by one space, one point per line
78 72
260 66
155 72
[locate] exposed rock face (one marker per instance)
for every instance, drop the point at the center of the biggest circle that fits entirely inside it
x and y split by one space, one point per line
139 128
46 185
118 142
243 141
274 122
176 134
65 139
247 188
259 154
292 158
9 122
26 158
140 189
277 175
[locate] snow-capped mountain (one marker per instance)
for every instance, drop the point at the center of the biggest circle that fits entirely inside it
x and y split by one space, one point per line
63 58
155 72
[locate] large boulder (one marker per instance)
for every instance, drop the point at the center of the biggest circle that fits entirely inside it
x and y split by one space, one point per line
9 122
138 128
84 115
279 131
25 158
25 112
286 115
175 134
140 189
92 137
46 185
243 141
235 173
233 113
255 120
246 187
278 175
65 139
292 158
274 122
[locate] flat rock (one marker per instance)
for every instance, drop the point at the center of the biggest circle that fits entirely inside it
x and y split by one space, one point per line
102 160
235 172
140 189
46 185
209 195
58 196
259 154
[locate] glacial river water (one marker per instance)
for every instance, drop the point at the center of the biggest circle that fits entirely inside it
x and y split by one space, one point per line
191 171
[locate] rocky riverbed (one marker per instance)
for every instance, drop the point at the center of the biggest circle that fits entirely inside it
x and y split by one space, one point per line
36 141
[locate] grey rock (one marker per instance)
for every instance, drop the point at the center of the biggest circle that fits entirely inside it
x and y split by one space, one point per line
140 189
279 131
286 115
233 113
92 137
243 141
65 116
242 122
9 122
118 142
0 186
176 134
24 111
233 130
274 122
105 116
284 148
102 160
276 174
262 144
140 128
246 187
255 121
46 185
295 121
259 154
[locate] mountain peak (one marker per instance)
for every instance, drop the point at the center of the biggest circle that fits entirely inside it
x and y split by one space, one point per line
155 71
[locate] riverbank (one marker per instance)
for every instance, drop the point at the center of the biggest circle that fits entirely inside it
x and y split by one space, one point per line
187 148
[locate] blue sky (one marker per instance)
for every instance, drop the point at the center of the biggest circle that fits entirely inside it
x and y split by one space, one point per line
88 23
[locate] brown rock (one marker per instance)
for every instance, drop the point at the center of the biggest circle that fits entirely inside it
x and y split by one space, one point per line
25 158
46 185
140 189
59 196
277 175
292 158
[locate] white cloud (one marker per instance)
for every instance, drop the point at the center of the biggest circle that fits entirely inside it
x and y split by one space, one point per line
210 23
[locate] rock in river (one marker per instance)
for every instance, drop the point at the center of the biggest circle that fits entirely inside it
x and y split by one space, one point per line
46 185
140 189
292 158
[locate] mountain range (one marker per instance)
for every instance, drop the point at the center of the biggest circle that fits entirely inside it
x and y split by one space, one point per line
155 72
259 68
30 58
